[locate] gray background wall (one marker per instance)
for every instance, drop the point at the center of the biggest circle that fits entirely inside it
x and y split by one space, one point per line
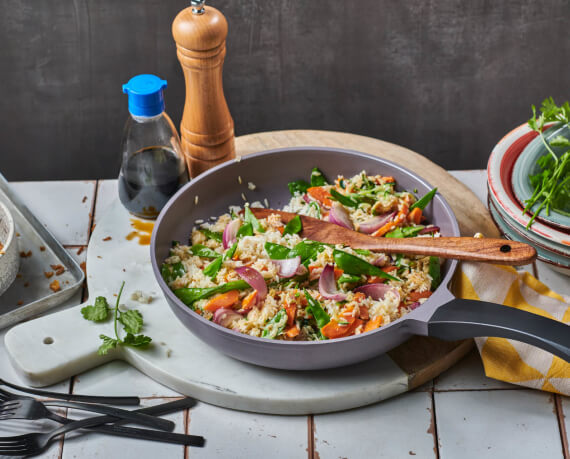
444 78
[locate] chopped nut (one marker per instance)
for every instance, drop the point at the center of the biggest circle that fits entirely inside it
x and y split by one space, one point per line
42 248
55 286
84 199
26 254
48 274
59 269
80 249
108 238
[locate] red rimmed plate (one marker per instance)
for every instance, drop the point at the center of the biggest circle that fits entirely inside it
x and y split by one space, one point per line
499 175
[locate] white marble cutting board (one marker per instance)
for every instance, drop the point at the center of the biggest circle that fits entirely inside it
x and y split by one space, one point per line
176 358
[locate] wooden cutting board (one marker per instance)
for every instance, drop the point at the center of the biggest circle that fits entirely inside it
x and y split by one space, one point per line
55 347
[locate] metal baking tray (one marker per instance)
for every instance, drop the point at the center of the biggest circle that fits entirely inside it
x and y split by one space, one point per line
30 294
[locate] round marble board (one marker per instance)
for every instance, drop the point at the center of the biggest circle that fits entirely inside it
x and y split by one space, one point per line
182 362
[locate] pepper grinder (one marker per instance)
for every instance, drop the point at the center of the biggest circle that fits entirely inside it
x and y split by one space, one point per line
207 128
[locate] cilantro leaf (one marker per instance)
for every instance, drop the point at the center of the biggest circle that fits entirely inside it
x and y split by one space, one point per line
136 340
132 320
98 312
108 344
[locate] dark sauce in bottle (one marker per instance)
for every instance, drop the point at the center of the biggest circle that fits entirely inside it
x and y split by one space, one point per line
149 178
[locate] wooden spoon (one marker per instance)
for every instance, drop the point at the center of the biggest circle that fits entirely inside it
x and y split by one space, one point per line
491 250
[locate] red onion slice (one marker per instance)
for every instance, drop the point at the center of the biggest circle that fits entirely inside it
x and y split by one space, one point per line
327 285
414 305
429 229
380 259
306 198
225 316
339 216
288 267
377 291
375 223
230 232
301 270
254 278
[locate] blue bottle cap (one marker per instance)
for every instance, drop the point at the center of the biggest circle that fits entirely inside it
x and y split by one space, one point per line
145 95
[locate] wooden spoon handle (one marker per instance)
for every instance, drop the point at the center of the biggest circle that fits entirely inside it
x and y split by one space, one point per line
499 251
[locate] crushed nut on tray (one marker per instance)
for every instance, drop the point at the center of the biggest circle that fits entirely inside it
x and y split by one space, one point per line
59 269
48 274
26 254
108 238
55 286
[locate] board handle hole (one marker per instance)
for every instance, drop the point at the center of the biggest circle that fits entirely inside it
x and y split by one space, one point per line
505 248
48 340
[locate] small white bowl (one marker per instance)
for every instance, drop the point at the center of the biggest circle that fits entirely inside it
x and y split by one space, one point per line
9 257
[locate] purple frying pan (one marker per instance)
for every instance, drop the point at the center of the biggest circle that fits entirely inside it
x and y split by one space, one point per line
441 316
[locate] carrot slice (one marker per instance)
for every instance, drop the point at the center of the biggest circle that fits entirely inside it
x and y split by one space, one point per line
375 280
373 324
320 194
291 310
415 215
388 269
337 273
281 229
248 302
292 331
415 296
384 229
223 300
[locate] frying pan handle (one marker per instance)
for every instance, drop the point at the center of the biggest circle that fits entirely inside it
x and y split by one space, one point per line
460 319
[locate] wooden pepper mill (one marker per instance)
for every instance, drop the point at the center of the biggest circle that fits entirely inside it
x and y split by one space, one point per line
207 128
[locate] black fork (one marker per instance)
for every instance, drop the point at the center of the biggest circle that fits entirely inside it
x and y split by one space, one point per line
32 409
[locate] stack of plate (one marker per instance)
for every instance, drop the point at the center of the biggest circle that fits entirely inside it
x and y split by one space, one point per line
510 164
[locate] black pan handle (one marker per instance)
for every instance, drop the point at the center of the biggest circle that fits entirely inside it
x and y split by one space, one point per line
460 319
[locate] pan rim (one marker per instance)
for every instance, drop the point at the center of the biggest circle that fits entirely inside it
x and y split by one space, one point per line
443 290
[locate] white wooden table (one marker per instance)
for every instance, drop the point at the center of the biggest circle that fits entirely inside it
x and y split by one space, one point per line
461 414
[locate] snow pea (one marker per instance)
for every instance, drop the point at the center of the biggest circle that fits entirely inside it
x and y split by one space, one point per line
352 264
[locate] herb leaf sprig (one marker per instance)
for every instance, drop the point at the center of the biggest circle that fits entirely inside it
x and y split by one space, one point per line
131 320
552 183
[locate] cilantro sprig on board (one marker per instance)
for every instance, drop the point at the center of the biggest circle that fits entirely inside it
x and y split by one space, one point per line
131 320
552 183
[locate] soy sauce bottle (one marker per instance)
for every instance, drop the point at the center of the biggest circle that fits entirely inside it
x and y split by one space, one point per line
153 168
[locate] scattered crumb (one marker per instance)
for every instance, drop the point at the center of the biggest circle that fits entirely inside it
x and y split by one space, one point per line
213 218
243 197
251 186
82 265
114 294
108 238
168 353
478 236
42 248
20 303
55 286
238 159
48 274
411 453
124 270
84 199
240 181
141 297
199 221
59 269
18 276
196 199
266 202
162 343
26 284
99 256
17 234
79 250
26 254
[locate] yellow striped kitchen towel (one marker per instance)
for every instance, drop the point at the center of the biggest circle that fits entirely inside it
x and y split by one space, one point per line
509 360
